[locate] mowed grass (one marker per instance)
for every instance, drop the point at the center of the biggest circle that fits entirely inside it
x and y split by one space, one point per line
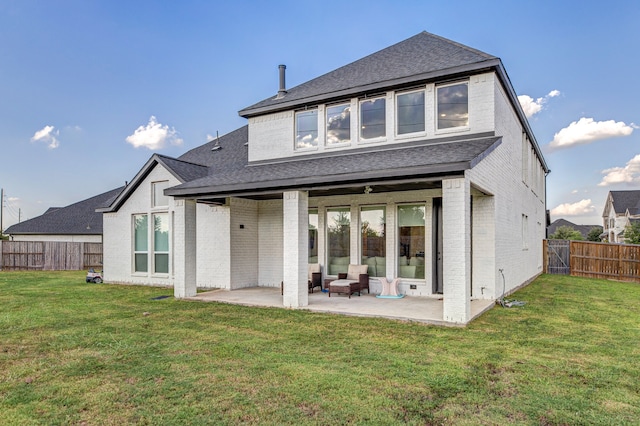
96 354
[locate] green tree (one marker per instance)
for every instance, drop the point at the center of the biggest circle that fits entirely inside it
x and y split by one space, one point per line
632 233
594 234
566 233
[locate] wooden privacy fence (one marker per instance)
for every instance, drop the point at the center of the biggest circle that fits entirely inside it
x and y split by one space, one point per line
49 255
593 260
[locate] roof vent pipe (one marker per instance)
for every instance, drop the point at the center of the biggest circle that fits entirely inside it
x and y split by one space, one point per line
282 91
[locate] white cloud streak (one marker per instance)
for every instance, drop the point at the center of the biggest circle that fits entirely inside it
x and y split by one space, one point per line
532 106
154 136
629 174
574 209
586 131
48 135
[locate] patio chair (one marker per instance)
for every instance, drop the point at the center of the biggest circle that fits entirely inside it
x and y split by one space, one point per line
315 276
355 280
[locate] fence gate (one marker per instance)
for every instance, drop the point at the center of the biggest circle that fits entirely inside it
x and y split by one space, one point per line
558 257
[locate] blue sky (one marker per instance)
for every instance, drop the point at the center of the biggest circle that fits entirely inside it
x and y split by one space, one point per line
89 90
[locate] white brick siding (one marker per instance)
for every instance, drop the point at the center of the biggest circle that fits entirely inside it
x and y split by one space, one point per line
271 136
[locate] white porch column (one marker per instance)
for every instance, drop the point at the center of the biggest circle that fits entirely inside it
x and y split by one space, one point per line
295 208
456 230
184 249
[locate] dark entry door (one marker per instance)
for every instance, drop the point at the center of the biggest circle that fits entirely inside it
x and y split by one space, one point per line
437 245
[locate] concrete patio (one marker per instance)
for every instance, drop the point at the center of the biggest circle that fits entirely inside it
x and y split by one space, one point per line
410 308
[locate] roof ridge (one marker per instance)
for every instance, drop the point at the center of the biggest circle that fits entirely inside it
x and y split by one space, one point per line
181 161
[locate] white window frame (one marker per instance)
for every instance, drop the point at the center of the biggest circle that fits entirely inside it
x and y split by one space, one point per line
360 125
346 104
424 112
153 250
295 129
458 128
133 244
155 186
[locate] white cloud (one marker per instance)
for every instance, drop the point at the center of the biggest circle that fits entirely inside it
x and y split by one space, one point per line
13 199
575 209
532 106
154 136
48 135
575 191
630 173
586 130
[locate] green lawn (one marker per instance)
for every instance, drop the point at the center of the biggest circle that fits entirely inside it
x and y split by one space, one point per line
76 353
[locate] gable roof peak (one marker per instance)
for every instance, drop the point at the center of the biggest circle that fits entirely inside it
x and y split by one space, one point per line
421 57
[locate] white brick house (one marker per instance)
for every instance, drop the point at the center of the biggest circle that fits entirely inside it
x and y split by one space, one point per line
416 160
620 209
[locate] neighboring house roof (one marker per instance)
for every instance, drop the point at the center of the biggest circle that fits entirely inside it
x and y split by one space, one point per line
626 200
76 219
367 165
583 229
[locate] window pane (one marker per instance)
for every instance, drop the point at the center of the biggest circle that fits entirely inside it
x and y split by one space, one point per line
141 262
411 236
161 263
313 236
338 124
159 199
410 112
338 237
161 232
374 240
307 129
453 106
141 227
372 118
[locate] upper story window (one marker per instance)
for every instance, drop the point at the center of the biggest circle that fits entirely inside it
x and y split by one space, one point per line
410 112
453 106
159 199
373 118
307 129
338 124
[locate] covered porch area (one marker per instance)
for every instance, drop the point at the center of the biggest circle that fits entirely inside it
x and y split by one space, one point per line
427 310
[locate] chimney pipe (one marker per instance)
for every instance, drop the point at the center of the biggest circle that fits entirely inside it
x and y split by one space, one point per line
282 91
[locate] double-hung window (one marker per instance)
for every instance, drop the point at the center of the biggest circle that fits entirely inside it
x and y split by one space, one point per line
373 118
338 124
161 243
140 243
452 106
410 112
307 129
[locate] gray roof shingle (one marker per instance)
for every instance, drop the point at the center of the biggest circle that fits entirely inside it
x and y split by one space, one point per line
417 58
390 162
623 200
79 218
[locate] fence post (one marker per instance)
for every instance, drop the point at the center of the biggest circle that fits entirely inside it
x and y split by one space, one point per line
1 255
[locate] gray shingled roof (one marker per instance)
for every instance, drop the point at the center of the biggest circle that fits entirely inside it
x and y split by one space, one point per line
583 229
449 155
76 219
184 171
419 58
623 200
